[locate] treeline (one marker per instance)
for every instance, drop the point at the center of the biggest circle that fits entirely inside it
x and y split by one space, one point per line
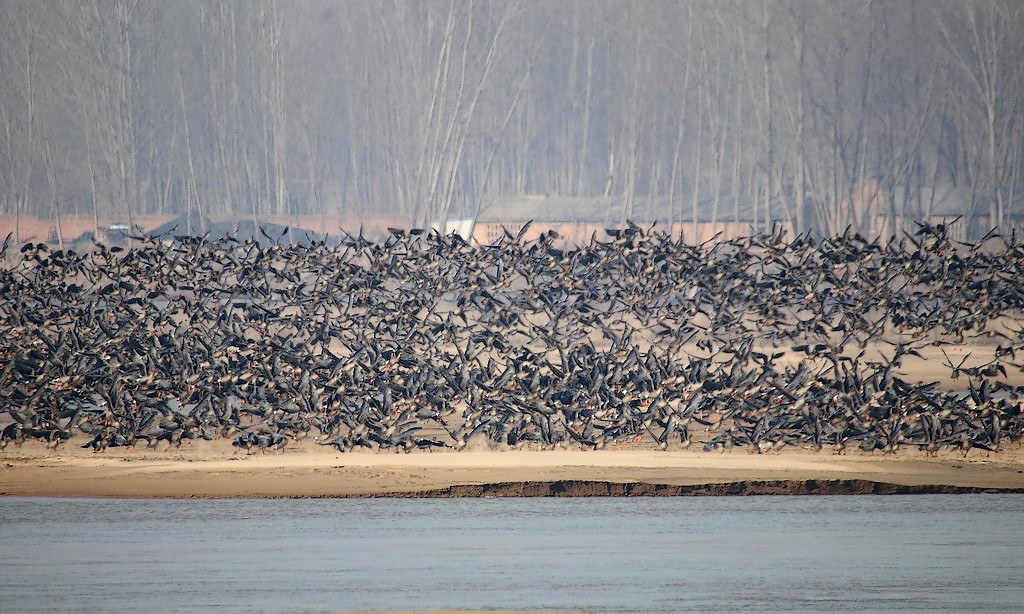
429 110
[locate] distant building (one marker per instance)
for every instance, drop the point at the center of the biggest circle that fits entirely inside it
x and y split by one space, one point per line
577 219
965 218
463 227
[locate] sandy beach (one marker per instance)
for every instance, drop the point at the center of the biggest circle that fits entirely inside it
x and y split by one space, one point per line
215 469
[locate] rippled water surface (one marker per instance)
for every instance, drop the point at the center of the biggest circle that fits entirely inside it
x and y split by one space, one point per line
896 553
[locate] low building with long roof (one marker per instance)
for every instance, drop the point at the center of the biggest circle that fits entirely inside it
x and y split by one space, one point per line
577 219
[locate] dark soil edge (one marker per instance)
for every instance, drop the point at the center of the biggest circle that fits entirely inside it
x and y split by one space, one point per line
590 488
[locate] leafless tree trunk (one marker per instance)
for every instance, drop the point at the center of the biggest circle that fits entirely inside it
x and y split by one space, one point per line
19 128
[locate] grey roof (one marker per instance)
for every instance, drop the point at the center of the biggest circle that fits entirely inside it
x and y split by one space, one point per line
948 200
600 210
943 199
181 224
239 229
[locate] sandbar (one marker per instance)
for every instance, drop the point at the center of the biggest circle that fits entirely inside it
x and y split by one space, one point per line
217 470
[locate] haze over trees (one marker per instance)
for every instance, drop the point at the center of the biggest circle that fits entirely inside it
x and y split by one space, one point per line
430 110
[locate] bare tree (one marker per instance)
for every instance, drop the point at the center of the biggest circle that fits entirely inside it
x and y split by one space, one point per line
19 108
784 109
985 41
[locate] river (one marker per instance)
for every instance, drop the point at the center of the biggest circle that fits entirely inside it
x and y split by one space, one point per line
787 553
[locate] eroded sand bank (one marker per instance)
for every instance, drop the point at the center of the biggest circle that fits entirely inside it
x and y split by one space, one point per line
215 469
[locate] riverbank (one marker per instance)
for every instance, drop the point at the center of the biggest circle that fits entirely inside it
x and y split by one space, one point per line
216 470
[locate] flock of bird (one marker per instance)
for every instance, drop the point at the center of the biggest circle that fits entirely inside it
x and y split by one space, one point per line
423 341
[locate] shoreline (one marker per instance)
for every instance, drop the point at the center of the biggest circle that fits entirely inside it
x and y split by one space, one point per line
743 488
215 470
